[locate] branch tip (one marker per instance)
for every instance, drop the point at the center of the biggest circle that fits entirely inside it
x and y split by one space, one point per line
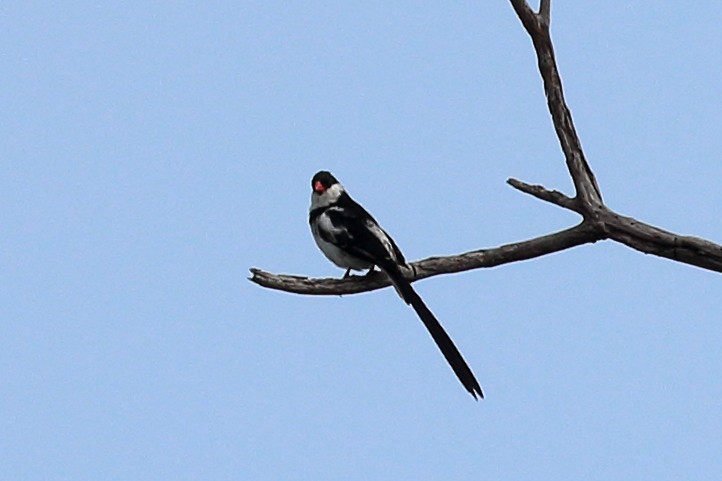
540 192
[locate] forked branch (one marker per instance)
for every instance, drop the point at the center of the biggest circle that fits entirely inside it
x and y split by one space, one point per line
599 222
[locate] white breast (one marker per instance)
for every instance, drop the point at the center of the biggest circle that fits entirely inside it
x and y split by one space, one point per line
336 255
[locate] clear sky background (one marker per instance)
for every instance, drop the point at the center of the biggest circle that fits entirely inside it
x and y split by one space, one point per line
153 151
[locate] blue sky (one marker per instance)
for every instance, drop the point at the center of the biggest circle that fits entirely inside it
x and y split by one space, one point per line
153 152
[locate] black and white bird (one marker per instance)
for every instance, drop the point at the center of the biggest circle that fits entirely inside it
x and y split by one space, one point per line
350 238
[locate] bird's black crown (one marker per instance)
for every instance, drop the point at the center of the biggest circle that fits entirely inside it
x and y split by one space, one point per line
325 177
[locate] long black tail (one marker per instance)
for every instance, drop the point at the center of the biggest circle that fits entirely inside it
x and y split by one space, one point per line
442 339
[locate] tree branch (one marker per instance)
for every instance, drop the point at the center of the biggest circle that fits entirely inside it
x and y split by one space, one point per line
545 7
432 266
653 240
537 26
541 192
599 222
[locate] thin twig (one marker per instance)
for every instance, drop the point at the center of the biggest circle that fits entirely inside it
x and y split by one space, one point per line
541 192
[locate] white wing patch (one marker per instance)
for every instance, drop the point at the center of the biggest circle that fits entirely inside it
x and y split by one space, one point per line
328 228
379 233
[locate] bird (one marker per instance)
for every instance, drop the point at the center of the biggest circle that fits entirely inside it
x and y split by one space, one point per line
352 239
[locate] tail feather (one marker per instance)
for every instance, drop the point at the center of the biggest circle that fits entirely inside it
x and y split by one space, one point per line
442 339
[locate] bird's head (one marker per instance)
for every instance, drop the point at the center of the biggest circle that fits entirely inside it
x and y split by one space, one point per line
325 189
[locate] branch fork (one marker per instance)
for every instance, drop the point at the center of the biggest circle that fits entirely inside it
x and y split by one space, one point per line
599 222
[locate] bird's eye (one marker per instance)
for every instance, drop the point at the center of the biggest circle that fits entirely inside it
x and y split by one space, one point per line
319 187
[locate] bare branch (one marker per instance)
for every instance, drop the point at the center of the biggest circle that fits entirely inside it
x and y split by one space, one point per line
588 200
545 11
537 25
528 18
433 266
599 222
541 192
653 240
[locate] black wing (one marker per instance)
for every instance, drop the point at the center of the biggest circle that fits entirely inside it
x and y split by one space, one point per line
353 235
